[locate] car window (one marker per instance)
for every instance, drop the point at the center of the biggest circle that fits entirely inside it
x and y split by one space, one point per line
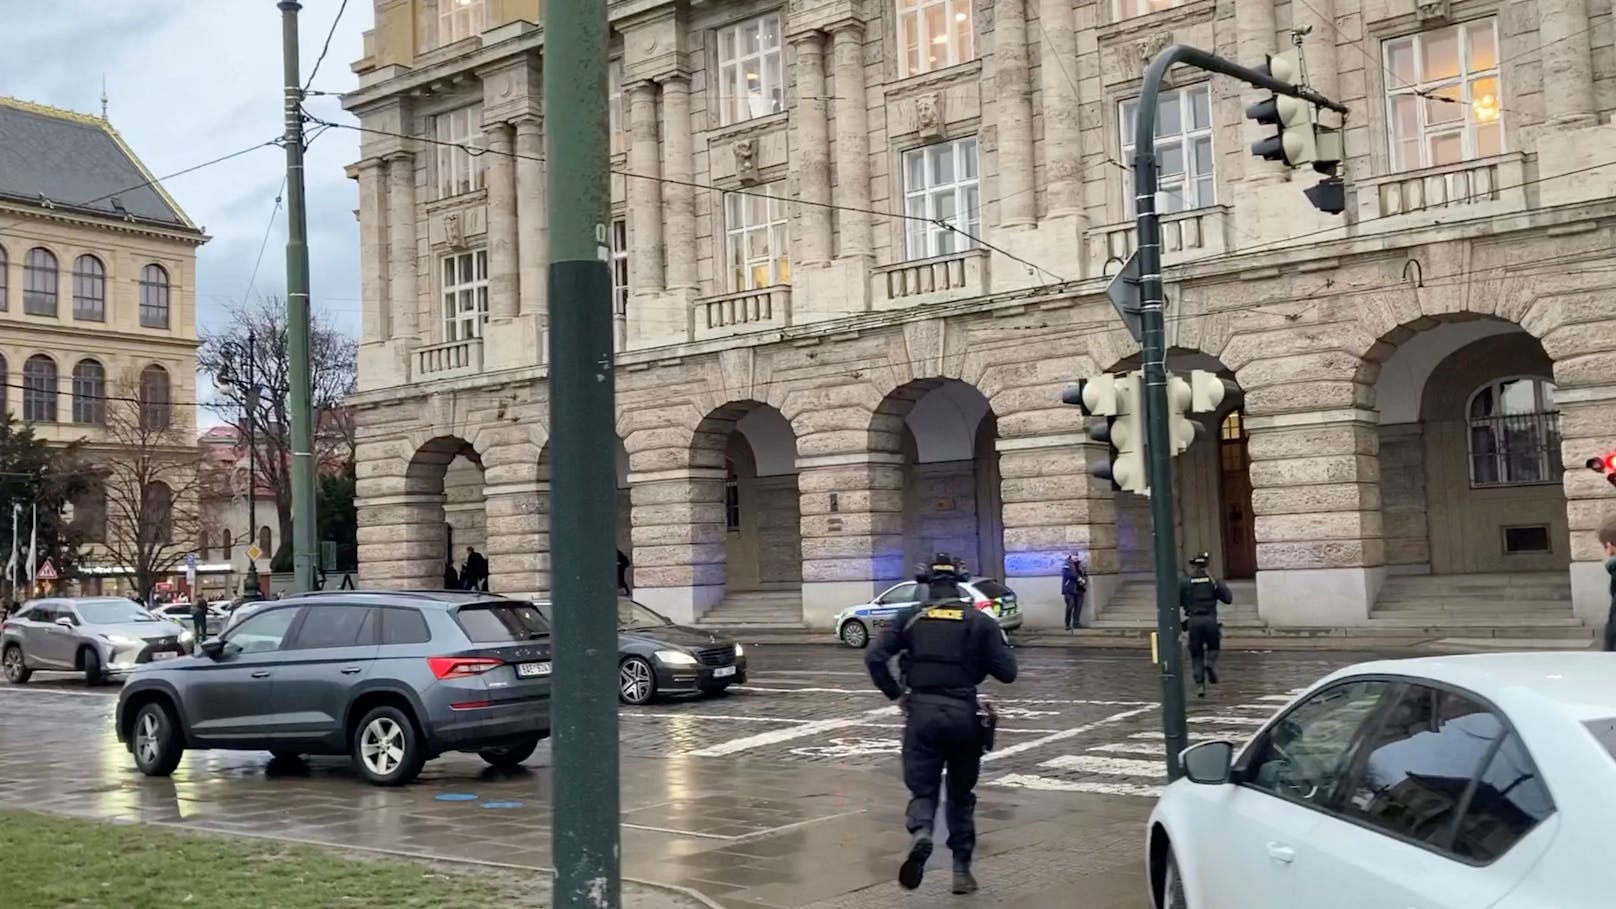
498 623
404 626
261 632
990 588
1416 765
1305 755
632 615
41 614
903 593
112 612
329 626
1509 800
1604 732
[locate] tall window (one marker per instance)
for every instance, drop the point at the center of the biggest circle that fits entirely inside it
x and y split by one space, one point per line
154 398
202 544
459 171
620 268
460 19
39 282
89 393
5 388
154 297
89 289
755 237
732 497
940 184
1443 96
1183 149
1514 433
157 513
933 34
39 389
229 544
263 542
5 302
465 295
1128 9
616 121
751 80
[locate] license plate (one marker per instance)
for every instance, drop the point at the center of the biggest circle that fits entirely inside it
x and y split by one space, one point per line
164 655
532 670
723 672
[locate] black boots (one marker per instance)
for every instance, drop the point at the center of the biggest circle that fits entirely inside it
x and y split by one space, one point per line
914 867
964 882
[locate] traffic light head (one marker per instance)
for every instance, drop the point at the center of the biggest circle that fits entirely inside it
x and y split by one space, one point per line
1180 428
1124 431
1208 390
1096 396
1294 142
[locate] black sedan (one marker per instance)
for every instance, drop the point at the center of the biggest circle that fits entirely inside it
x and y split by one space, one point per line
656 657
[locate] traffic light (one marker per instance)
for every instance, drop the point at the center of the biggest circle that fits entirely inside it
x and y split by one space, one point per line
1120 400
1330 194
1604 464
1096 395
1207 390
1293 141
1181 430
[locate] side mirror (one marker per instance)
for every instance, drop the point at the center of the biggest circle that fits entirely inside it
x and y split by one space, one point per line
213 647
66 622
1208 763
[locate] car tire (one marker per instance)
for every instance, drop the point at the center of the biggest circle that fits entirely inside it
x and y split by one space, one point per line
508 757
286 756
17 671
386 749
636 681
1173 885
94 673
155 739
855 634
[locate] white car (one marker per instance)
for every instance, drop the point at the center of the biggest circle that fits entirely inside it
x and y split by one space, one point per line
855 625
1465 782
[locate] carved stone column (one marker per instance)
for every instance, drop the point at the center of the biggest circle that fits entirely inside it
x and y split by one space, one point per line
679 197
1254 25
531 227
1568 74
810 151
501 188
645 191
1063 133
375 324
1016 200
852 139
403 293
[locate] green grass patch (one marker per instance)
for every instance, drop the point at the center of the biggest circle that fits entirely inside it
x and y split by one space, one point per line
58 863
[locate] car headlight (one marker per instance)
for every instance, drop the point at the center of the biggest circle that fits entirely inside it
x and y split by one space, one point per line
121 641
739 651
675 658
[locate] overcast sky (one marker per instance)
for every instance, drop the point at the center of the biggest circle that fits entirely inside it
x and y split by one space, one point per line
188 81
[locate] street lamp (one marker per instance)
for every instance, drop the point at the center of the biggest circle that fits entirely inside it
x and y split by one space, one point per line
241 364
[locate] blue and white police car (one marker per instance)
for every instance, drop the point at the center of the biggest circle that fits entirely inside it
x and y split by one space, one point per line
856 624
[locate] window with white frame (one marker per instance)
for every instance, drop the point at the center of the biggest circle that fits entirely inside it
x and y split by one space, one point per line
457 133
465 295
460 19
1128 9
1514 433
620 268
617 122
755 237
934 34
751 70
1185 177
1443 95
940 184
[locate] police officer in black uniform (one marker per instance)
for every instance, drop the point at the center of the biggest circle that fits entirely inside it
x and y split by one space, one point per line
1199 596
946 648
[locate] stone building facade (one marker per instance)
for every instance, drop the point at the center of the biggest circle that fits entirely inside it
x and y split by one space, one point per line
860 246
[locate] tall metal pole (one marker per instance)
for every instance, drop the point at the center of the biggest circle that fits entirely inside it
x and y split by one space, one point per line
251 582
1155 362
297 311
582 423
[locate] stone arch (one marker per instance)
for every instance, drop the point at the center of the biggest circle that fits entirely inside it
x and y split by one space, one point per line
445 508
536 514
743 460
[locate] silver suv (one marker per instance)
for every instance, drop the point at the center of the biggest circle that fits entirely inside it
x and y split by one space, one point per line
98 636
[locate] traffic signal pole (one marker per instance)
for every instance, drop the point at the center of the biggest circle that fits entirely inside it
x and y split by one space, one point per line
1155 368
297 312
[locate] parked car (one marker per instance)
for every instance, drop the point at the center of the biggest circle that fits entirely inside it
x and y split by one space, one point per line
855 624
392 679
656 657
1435 783
181 614
101 637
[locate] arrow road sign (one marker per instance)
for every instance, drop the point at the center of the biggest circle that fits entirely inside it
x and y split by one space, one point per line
1124 293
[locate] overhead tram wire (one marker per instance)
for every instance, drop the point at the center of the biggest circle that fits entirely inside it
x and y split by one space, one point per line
326 47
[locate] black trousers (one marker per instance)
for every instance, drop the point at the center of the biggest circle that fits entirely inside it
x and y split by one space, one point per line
943 734
1074 610
1610 635
1206 639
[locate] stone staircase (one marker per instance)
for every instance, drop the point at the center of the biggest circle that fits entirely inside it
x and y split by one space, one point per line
1521 605
757 609
1134 606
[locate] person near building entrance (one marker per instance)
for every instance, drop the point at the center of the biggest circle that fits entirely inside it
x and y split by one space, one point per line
1074 583
1199 596
622 572
945 649
474 574
1607 540
451 578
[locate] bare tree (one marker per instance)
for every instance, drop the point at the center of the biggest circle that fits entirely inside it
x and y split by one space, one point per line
265 416
151 482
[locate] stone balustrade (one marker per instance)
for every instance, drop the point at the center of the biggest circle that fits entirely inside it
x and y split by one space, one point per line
958 276
1186 236
741 312
448 360
1472 189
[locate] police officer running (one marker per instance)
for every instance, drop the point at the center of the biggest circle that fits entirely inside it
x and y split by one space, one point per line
1199 596
947 648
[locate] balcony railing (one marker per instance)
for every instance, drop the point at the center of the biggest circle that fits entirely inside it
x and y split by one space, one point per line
742 311
1482 188
1186 235
449 359
951 277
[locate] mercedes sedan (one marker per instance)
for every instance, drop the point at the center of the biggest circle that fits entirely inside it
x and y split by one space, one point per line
656 657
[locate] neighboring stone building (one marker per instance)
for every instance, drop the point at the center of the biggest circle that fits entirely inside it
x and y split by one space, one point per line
812 396
228 531
97 304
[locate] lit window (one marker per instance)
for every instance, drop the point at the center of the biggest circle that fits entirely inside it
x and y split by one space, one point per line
933 34
751 81
39 282
620 269
89 393
457 133
460 19
1128 9
755 237
465 295
1514 433
1443 95
154 297
89 289
1183 149
940 185
39 389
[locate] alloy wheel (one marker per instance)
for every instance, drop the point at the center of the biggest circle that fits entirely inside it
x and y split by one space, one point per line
855 635
634 681
146 738
381 746
13 664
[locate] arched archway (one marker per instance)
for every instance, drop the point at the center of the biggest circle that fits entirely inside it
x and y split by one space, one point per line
540 506
445 482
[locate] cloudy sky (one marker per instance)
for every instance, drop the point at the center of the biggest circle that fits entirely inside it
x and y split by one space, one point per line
188 81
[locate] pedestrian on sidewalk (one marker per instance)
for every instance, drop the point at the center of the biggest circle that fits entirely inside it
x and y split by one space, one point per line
199 623
1607 539
1199 596
622 572
946 649
474 574
1074 583
451 578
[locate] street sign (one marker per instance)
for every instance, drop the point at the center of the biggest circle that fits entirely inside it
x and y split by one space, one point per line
190 561
190 570
47 571
1124 293
254 553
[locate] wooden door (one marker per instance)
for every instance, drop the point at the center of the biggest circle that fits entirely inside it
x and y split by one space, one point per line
1239 540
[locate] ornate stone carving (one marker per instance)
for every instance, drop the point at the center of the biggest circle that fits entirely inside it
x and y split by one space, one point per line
454 233
929 115
1151 45
746 161
1432 11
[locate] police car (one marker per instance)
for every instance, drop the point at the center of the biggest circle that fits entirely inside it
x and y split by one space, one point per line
855 624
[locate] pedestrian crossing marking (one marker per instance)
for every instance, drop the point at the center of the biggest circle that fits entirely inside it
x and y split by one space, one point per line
1108 766
1131 748
1278 698
1230 720
1050 784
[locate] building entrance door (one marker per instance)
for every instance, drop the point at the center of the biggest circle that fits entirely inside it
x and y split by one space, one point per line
1239 542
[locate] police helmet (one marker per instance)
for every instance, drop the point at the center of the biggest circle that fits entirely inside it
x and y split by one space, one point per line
1201 560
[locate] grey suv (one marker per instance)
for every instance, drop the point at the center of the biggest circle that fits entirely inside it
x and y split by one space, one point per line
393 679
98 636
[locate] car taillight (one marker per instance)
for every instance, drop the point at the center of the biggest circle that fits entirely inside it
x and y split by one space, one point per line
461 667
984 604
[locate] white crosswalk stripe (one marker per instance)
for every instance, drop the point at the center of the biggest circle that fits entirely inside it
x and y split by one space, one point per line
1130 748
1108 766
1050 784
